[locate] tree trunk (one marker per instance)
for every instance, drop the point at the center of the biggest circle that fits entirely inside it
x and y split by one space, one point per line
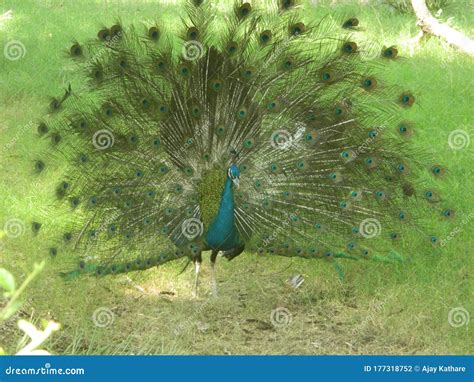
429 24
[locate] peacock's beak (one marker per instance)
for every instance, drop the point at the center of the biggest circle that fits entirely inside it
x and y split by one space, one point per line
236 181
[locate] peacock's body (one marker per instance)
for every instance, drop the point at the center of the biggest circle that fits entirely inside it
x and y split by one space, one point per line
261 132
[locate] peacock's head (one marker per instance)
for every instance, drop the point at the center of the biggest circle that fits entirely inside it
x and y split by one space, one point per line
234 173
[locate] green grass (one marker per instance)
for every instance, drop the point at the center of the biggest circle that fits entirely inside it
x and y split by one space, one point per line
378 309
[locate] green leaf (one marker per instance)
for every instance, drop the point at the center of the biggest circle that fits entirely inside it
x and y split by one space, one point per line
7 281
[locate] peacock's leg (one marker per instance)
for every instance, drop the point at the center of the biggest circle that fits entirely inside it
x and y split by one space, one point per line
197 267
213 272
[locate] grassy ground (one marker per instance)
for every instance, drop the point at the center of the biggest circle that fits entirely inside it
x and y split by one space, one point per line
378 309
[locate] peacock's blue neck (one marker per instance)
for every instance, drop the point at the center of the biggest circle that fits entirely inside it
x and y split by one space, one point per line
222 233
227 199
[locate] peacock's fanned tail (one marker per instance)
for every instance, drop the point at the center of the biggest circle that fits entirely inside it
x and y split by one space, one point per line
320 140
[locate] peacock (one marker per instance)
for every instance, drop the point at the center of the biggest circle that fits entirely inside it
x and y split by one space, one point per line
261 131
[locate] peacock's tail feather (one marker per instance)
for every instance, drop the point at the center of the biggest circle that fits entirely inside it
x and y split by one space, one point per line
319 138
